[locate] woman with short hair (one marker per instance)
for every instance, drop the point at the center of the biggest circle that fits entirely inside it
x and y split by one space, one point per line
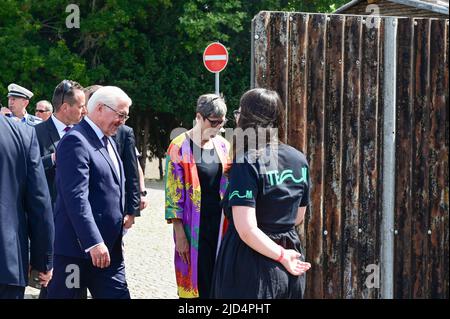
195 184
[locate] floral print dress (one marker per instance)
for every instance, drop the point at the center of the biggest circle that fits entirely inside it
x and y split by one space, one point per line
182 200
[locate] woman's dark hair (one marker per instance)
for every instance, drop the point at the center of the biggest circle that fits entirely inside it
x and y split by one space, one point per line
262 112
262 108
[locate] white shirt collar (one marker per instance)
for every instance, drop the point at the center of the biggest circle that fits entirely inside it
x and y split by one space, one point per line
96 129
60 126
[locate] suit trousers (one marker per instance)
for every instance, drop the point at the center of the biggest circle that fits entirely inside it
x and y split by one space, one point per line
71 277
11 292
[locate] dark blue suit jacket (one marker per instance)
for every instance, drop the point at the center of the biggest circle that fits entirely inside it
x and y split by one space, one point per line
25 209
48 138
90 194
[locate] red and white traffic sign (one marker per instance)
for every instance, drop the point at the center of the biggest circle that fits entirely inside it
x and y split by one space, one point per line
215 57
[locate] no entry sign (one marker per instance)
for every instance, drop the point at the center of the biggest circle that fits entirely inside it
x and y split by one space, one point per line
215 57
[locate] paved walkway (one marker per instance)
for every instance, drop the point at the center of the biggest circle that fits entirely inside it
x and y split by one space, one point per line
148 252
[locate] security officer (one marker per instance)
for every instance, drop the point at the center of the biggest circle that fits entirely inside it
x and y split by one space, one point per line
18 99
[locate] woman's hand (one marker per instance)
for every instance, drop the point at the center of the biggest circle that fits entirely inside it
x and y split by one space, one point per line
181 242
182 248
291 261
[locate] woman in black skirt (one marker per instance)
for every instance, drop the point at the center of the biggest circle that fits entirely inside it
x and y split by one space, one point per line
266 198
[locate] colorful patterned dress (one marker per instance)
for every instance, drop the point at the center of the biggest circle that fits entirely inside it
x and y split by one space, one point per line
183 198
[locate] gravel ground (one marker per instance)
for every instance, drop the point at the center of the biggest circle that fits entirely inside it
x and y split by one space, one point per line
148 252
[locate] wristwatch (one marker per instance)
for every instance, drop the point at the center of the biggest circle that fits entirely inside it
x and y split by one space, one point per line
144 193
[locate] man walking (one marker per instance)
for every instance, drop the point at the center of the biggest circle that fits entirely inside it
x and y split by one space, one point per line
26 219
89 207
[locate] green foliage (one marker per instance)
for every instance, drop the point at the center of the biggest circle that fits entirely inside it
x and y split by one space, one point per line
152 49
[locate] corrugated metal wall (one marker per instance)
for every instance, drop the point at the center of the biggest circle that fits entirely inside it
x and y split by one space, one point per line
388 8
329 71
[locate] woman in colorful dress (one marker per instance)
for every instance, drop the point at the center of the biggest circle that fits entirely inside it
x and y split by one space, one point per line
195 184
267 196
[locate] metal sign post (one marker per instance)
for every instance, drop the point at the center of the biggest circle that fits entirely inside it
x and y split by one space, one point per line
215 59
217 83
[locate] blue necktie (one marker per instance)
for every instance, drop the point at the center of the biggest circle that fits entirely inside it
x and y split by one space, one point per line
105 141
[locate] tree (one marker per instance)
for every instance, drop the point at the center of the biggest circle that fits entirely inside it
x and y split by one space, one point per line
151 49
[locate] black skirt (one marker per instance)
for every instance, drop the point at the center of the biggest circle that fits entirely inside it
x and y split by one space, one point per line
243 273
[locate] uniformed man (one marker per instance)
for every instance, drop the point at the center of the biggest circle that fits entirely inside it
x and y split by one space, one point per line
18 99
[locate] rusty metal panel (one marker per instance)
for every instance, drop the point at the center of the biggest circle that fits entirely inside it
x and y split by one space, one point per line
421 151
350 154
403 195
437 287
315 139
380 134
298 44
297 104
329 74
369 209
271 49
388 8
445 199
261 48
332 155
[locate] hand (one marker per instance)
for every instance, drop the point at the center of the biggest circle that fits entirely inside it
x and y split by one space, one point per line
182 248
144 203
128 221
291 261
5 110
100 256
53 157
45 277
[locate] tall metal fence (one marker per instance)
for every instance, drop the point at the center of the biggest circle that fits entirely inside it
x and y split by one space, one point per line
336 75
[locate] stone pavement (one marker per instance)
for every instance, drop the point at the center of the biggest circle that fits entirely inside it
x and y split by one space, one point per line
149 252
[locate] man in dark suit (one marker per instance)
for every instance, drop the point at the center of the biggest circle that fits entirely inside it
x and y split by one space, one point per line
70 107
135 193
26 219
68 99
89 207
126 146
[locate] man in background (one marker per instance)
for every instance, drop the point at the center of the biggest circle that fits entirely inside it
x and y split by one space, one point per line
18 100
44 110
70 107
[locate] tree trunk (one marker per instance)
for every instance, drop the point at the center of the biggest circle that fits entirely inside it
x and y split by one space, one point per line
161 172
144 143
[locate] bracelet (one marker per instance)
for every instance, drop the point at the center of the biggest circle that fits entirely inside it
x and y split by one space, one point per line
281 255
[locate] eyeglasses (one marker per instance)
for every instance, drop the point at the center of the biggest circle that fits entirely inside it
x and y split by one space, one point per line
41 111
122 116
236 113
67 86
215 123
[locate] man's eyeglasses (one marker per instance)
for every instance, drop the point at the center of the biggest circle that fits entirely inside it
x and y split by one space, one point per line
236 113
41 111
120 115
215 123
66 88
